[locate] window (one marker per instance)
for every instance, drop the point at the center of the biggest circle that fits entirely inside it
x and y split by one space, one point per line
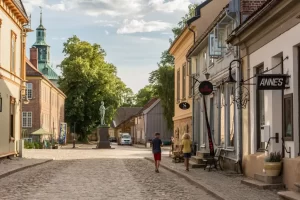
26 119
13 52
288 117
178 85
12 116
184 81
29 90
231 135
204 55
260 112
39 33
190 79
197 67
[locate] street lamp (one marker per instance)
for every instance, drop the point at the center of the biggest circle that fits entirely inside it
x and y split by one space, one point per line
230 80
207 75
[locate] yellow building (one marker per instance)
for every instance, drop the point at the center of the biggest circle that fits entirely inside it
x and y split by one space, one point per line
205 13
13 19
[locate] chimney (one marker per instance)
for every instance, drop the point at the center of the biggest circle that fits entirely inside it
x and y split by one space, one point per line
34 56
250 6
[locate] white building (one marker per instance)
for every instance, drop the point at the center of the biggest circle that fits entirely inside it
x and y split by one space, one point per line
270 44
13 18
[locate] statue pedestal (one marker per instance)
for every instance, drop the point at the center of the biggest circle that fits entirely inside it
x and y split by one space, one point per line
103 136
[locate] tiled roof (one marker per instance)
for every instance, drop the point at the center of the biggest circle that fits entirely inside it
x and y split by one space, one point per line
20 5
147 105
32 71
48 71
123 113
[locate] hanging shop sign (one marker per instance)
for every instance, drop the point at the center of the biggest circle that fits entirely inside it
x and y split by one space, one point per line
206 88
271 81
184 105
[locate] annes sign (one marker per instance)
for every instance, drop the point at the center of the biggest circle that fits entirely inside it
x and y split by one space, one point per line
271 81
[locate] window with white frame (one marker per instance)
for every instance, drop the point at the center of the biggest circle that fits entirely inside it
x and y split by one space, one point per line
29 90
26 119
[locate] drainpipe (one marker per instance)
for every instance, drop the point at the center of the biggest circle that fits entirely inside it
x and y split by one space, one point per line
193 92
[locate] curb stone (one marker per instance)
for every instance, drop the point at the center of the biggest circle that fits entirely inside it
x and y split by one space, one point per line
207 188
23 168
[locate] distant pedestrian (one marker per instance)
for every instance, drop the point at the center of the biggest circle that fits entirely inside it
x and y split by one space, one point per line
172 146
186 148
156 150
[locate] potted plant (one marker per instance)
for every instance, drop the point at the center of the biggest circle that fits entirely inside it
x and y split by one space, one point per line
273 164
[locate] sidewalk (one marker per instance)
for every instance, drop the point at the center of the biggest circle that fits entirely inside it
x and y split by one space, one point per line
14 165
165 148
225 186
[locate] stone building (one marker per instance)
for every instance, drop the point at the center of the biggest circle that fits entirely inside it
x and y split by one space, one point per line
13 30
45 110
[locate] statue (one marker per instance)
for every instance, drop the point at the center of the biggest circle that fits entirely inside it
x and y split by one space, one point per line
102 110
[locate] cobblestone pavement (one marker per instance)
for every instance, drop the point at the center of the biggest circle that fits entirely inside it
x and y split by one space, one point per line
228 185
97 179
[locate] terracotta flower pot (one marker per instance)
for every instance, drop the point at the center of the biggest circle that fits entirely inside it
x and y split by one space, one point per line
272 168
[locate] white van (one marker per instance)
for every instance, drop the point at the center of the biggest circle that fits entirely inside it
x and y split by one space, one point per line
125 138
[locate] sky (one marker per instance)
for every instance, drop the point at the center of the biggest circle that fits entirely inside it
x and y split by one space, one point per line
133 33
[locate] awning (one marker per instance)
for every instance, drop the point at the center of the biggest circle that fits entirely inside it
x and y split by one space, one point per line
41 132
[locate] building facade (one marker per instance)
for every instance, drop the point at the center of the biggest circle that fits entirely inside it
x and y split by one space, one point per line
46 108
205 13
149 121
13 21
270 46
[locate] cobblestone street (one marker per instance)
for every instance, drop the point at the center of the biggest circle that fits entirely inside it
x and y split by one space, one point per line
98 178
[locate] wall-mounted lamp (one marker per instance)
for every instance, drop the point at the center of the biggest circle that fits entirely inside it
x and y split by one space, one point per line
26 101
0 103
230 80
207 75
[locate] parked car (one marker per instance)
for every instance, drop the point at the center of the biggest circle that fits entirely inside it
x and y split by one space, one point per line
113 139
125 138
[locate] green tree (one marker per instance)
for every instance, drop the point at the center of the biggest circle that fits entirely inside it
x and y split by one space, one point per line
162 80
180 26
87 80
144 95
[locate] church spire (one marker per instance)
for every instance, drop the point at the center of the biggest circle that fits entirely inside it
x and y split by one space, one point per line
41 16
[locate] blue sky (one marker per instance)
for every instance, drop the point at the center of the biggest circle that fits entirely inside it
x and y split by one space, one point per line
132 32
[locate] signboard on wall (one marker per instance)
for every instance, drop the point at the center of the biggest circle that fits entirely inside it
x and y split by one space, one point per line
184 105
271 81
63 133
206 88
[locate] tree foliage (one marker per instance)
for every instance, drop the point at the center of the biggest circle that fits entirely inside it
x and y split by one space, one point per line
144 95
87 80
162 79
180 26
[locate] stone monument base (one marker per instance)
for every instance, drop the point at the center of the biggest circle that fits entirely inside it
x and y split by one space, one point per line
103 138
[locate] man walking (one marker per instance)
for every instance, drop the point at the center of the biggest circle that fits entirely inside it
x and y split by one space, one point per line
156 150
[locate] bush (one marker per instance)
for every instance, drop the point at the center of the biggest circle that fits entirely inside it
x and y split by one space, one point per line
28 145
274 157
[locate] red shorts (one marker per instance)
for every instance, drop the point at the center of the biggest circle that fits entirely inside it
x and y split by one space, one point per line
157 156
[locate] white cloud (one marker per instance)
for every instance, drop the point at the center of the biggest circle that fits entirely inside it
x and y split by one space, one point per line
169 6
109 23
141 26
106 32
146 39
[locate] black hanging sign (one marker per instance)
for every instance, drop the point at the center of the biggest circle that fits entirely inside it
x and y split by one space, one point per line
206 88
184 105
271 81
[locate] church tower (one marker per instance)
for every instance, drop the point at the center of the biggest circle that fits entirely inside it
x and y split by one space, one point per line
44 52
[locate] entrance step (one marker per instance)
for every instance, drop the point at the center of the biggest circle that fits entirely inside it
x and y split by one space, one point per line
262 185
202 154
268 179
197 159
289 195
196 165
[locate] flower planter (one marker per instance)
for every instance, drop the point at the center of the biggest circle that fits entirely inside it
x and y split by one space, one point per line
272 168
